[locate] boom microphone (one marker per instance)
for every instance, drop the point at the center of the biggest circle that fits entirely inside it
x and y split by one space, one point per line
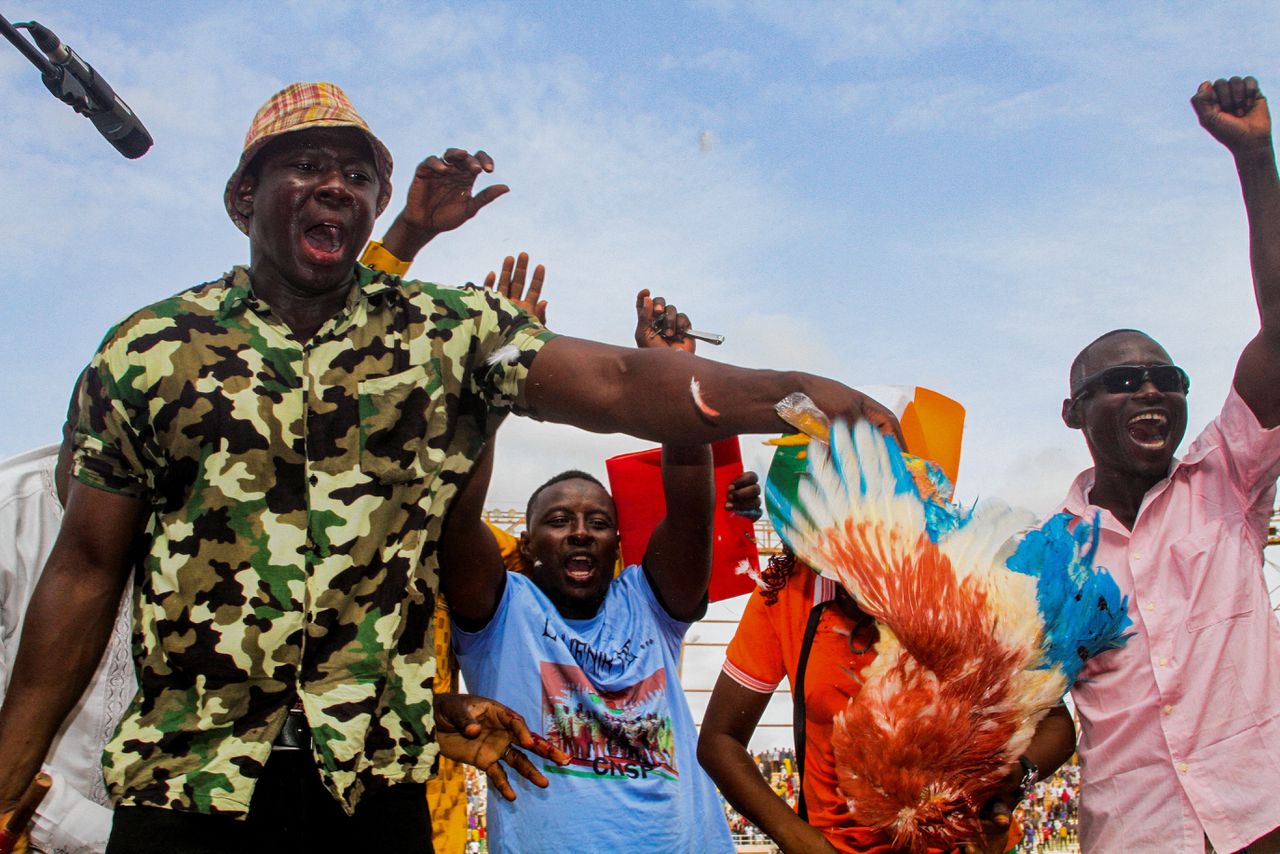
74 82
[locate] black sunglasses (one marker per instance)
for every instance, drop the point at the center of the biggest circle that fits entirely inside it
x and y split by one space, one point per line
1126 379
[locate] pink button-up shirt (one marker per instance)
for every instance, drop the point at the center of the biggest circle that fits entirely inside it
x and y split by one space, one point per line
1180 729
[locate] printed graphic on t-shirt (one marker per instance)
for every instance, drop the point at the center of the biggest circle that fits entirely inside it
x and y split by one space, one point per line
620 735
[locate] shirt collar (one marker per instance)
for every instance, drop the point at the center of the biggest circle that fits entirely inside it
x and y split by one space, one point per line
1077 501
239 288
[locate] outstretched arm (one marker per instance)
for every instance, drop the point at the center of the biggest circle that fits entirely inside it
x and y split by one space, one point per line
1235 113
440 199
666 396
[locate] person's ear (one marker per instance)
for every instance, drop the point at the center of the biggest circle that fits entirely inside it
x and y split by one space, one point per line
243 197
526 550
1071 413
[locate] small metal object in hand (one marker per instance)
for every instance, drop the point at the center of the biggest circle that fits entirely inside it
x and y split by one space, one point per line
709 337
698 335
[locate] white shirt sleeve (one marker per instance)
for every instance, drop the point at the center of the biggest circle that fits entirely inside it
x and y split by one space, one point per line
69 823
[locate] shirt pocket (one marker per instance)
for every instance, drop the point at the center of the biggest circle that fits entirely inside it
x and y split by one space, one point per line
1205 561
398 414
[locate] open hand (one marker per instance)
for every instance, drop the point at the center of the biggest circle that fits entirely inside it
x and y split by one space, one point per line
484 733
511 285
661 325
1234 112
440 197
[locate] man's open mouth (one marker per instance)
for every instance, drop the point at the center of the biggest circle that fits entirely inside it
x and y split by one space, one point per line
1149 429
580 567
324 239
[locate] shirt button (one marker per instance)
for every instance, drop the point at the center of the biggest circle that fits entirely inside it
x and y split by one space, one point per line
1183 767
1164 662
1137 555
313 480
1168 709
1151 606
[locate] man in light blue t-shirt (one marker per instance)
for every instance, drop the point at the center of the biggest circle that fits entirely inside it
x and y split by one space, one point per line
592 658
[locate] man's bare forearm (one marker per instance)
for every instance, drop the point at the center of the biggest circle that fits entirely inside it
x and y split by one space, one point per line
1258 370
66 629
1260 186
651 393
405 241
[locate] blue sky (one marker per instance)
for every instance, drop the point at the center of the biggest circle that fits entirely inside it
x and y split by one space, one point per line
951 194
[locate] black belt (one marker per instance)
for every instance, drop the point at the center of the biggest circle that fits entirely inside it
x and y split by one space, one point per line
295 734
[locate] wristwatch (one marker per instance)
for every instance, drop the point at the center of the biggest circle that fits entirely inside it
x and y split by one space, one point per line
1030 773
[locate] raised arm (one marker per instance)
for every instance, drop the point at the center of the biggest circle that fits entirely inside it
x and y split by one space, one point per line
472 572
1235 113
67 626
472 575
678 558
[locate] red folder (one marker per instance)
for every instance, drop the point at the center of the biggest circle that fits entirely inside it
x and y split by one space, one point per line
636 483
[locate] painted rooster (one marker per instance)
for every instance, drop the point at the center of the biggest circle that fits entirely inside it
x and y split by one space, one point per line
981 632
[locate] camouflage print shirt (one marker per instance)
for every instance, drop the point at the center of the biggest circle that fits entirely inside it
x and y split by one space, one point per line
296 495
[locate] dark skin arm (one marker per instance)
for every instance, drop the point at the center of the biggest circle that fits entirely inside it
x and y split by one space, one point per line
730 720
678 558
646 393
1235 113
66 629
473 575
1053 743
440 199
607 389
476 576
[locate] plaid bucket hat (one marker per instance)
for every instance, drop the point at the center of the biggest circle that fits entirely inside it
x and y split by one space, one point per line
303 106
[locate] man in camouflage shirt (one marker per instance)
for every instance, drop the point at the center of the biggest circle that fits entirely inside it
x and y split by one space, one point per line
289 439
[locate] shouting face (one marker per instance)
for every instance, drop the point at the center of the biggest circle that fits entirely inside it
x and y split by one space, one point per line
1130 432
311 200
572 546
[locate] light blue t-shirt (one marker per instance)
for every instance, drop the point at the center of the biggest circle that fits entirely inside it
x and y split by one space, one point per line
606 691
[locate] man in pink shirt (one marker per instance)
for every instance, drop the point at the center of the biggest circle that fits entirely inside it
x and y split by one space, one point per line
1180 729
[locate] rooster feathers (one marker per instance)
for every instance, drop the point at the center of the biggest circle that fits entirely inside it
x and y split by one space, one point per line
978 640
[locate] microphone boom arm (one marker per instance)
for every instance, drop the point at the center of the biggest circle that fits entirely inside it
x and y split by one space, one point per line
82 89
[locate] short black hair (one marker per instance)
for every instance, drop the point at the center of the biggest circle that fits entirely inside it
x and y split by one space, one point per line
571 474
1078 364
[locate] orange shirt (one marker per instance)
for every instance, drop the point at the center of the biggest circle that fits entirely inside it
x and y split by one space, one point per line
766 648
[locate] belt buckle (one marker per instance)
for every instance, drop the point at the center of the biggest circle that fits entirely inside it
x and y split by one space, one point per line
295 734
